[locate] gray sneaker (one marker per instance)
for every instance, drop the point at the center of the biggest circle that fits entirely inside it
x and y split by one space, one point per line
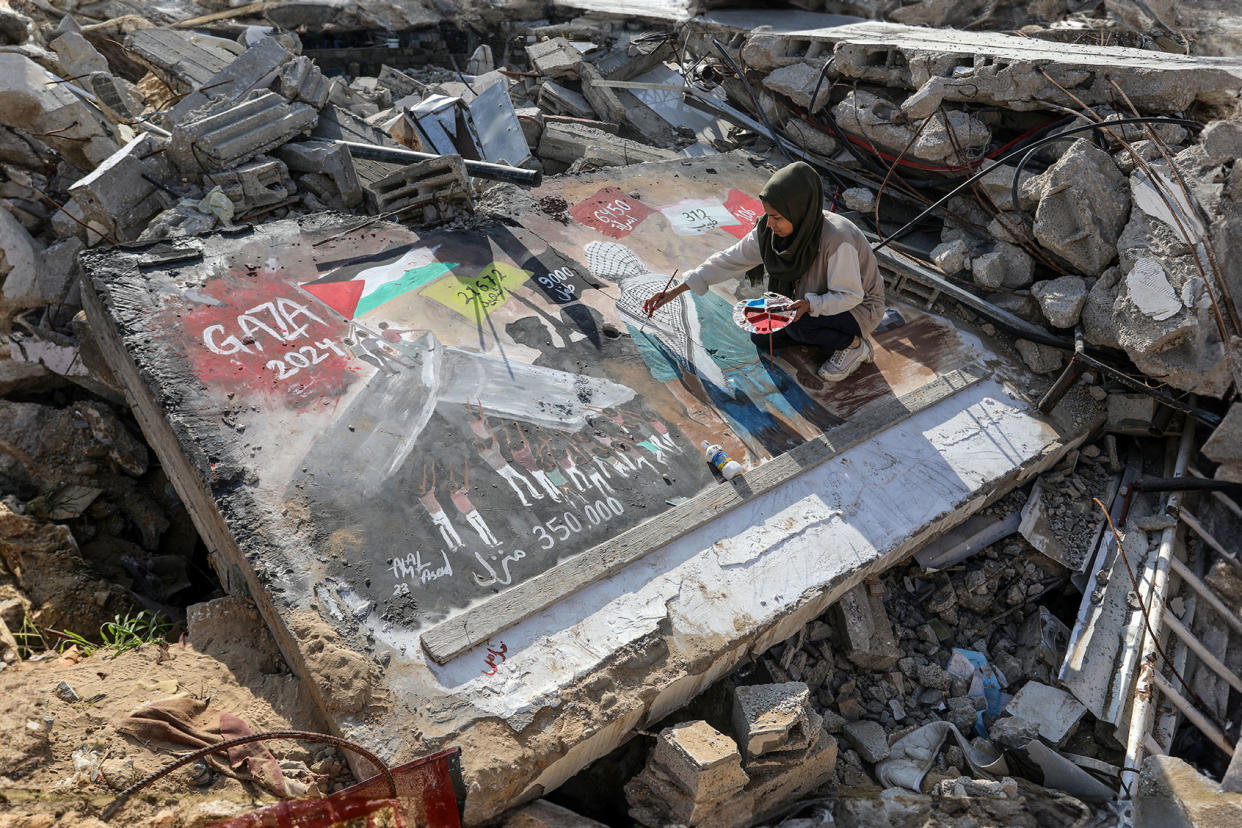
844 362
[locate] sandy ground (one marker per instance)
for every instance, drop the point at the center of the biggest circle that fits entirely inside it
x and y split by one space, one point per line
40 732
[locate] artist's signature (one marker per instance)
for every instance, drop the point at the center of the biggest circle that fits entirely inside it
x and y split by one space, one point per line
492 655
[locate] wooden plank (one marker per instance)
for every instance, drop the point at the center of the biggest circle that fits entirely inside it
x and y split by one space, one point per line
481 622
226 14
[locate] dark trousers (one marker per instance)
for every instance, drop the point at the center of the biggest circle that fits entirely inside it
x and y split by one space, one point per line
831 333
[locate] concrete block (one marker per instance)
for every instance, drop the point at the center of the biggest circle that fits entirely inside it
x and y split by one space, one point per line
259 183
869 739
1061 299
425 192
31 100
183 60
561 100
771 792
702 760
399 83
119 194
1054 711
227 134
602 98
656 801
1172 794
567 142
544 814
1084 203
481 62
768 717
866 631
554 58
253 69
328 160
77 56
301 80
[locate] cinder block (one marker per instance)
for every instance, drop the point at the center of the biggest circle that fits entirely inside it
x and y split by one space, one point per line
227 134
259 183
769 717
426 191
704 762
301 80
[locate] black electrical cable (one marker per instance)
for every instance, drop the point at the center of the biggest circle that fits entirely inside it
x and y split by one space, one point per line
775 138
1028 152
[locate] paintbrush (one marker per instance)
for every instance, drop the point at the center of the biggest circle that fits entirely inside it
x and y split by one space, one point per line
667 285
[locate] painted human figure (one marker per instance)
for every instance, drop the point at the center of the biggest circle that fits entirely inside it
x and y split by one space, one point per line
441 520
526 459
490 452
461 500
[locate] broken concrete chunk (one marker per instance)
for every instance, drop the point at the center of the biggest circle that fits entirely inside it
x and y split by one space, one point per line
1222 141
796 82
119 99
121 194
33 100
427 192
301 80
951 257
1040 358
1005 266
253 69
1055 712
259 183
481 61
865 114
602 98
869 739
767 717
860 199
1083 206
226 134
77 56
702 760
865 629
1172 794
567 142
19 266
926 99
555 58
1061 299
560 100
330 160
183 60
1225 444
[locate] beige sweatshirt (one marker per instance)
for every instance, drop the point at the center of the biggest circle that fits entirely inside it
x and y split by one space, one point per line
843 277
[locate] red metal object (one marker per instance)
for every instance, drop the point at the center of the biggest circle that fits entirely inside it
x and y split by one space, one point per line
426 798
329 812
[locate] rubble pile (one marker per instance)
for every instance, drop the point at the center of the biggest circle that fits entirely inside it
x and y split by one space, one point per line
1108 226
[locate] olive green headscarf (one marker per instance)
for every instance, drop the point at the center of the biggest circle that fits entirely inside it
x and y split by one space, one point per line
797 194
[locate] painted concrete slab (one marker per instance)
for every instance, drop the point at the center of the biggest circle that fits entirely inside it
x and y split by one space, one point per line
376 430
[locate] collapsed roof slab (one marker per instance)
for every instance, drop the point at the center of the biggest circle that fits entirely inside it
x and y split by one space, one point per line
459 471
976 67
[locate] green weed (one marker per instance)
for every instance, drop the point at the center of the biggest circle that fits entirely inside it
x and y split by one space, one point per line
121 634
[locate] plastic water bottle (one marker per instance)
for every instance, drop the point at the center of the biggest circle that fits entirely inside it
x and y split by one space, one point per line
716 456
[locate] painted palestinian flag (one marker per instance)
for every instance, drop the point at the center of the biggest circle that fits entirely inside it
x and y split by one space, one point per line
363 285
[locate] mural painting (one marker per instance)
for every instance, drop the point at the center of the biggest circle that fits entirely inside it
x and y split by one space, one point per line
465 409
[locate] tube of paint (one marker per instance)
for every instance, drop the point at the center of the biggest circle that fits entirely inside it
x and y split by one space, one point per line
716 456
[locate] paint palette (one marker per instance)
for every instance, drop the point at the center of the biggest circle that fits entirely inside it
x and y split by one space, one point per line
764 315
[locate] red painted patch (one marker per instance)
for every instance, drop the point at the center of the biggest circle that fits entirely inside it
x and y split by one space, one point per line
611 212
746 209
342 297
267 338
